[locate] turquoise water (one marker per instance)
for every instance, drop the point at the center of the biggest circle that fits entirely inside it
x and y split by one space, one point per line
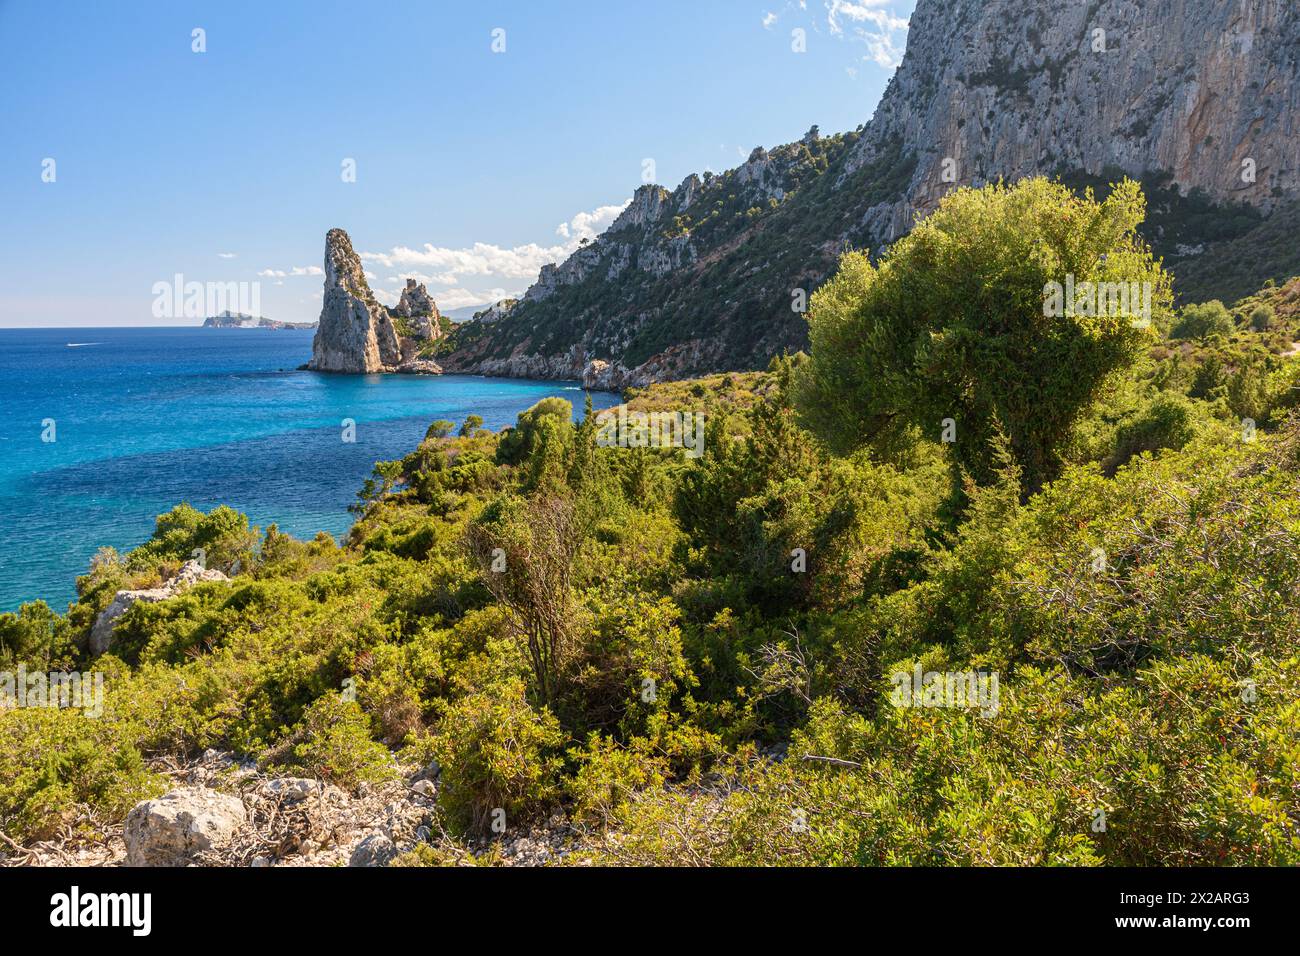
147 418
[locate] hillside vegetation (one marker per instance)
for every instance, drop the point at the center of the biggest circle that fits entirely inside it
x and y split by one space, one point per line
697 660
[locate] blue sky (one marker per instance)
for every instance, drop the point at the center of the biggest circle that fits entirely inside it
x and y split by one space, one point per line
473 167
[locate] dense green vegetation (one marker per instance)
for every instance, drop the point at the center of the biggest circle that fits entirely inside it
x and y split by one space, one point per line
694 658
1217 251
745 250
952 326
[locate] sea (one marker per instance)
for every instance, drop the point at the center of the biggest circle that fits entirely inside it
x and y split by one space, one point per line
103 429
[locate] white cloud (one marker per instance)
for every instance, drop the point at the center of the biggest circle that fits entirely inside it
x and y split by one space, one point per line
440 265
883 52
439 278
872 23
861 11
482 258
769 20
295 271
588 225
225 255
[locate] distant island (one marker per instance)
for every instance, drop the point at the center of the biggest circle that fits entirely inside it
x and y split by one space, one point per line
238 320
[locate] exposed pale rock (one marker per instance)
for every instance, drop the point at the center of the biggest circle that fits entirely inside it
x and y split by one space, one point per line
496 312
178 826
416 300
430 771
648 205
192 572
295 789
419 366
417 305
355 333
1009 89
374 850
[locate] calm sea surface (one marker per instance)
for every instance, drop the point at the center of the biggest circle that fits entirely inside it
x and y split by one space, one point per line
147 418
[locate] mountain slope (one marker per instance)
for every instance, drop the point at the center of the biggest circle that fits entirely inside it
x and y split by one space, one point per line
1201 98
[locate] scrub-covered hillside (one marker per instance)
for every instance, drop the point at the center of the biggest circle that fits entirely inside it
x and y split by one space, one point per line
974 582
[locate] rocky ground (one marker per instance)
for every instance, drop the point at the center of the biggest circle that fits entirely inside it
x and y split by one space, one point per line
224 812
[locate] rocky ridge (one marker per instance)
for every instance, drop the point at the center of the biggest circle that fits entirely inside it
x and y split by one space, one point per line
1200 96
1206 92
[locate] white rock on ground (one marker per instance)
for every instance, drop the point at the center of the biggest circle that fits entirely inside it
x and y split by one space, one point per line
173 829
374 850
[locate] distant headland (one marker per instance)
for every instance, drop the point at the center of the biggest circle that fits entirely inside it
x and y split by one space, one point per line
238 320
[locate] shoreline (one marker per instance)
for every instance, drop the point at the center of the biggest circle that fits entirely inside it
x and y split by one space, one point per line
124 456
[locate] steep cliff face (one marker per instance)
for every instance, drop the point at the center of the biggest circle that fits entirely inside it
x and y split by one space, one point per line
358 334
1199 98
1206 91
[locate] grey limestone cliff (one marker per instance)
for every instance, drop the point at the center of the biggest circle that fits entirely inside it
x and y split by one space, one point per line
1199 97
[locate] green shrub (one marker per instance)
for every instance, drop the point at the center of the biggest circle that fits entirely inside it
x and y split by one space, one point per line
1262 317
1202 321
496 754
333 742
61 767
607 777
956 324
440 429
36 636
1168 420
220 539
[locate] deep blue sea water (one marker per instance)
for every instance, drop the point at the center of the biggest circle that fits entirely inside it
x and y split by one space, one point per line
147 418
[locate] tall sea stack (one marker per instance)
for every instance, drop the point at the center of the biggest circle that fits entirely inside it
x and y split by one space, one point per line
359 335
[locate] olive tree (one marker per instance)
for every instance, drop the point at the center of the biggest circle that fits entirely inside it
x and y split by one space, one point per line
1005 311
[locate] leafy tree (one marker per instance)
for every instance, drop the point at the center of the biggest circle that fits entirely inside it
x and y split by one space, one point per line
1204 320
963 319
440 429
471 427
383 479
223 537
33 634
541 442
